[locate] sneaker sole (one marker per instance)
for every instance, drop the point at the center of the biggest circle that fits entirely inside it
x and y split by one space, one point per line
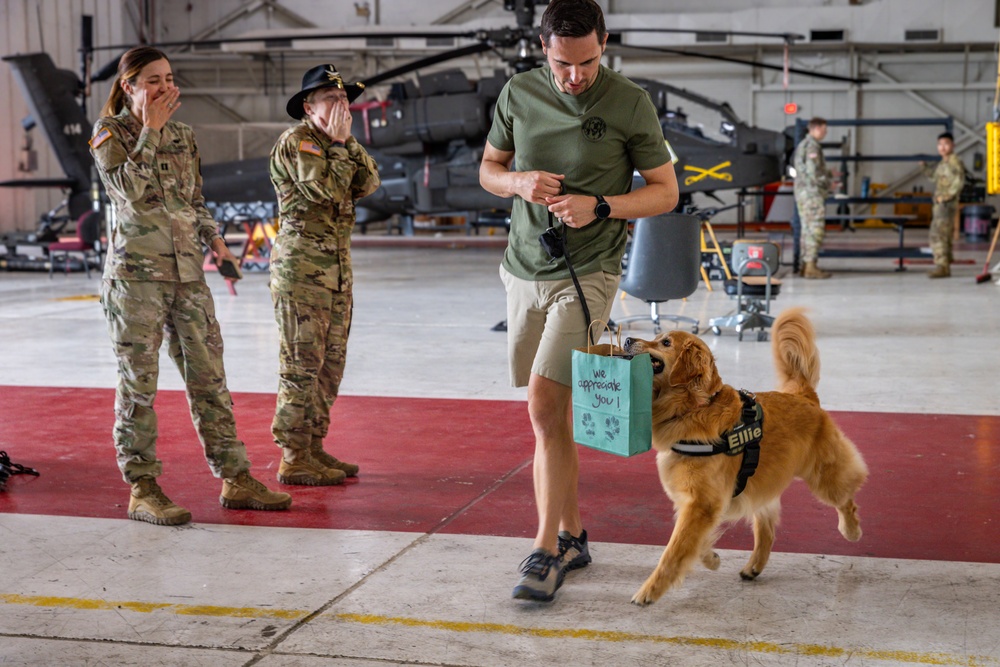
577 563
160 521
305 480
527 593
252 504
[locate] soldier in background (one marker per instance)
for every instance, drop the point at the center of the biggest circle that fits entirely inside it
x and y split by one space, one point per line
949 178
318 170
813 183
154 284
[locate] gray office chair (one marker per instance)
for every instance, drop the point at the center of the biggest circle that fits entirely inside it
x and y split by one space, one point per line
754 264
664 263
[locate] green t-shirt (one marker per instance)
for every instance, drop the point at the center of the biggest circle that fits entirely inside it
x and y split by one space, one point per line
597 139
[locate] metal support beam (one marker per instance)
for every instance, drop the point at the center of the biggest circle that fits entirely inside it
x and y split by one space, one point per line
249 8
467 6
923 101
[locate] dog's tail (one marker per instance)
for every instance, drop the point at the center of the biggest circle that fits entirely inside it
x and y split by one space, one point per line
796 357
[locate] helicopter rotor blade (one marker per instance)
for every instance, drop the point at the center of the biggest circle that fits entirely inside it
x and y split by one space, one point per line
427 62
785 36
297 38
109 70
748 63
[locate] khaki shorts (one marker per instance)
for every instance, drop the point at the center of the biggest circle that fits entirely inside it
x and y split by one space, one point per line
545 323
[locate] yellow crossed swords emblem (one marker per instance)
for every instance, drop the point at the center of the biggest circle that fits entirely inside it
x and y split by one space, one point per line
714 172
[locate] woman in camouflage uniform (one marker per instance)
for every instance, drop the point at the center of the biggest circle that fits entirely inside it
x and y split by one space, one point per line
154 285
318 171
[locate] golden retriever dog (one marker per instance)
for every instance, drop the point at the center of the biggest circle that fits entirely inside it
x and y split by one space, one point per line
691 404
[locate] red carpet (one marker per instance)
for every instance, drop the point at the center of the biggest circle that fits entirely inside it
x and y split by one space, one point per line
453 466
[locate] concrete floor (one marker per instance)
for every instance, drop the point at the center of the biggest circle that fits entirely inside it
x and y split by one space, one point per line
108 591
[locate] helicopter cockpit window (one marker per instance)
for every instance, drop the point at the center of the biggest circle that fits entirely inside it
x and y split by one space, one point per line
701 122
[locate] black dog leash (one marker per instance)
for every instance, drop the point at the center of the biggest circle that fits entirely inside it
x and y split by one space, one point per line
557 245
8 469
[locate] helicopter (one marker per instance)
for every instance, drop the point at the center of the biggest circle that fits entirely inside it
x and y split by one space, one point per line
427 135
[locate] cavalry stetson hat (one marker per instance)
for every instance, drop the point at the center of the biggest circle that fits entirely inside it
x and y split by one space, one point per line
321 76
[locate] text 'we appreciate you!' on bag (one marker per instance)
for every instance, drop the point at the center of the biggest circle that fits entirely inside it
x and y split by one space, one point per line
612 400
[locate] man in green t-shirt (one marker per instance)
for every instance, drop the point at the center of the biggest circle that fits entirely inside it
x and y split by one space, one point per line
579 131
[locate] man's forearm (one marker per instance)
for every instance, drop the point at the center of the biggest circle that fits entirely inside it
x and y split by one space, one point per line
649 200
497 179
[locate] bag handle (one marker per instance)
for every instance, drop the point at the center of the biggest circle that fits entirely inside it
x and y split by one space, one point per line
610 333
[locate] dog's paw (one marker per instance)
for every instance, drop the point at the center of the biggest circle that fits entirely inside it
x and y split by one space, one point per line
848 523
748 574
644 596
711 560
650 591
589 425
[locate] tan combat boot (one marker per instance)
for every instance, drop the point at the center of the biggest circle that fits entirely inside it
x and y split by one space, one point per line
149 503
298 467
811 271
330 461
940 271
243 492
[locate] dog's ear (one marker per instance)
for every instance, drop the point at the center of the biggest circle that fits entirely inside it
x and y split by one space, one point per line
692 363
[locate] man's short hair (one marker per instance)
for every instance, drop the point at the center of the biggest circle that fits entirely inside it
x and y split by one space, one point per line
946 135
573 18
815 122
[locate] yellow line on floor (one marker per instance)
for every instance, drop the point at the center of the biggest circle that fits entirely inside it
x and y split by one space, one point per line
149 607
81 297
809 650
806 650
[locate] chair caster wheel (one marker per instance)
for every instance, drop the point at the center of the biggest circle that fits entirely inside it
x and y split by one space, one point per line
694 330
717 331
761 335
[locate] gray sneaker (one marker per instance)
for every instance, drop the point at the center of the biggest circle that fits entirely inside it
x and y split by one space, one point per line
541 577
574 552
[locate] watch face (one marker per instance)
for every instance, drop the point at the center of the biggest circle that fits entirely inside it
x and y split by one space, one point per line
603 209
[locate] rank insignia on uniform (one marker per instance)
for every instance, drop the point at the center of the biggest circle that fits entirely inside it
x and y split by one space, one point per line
100 138
310 147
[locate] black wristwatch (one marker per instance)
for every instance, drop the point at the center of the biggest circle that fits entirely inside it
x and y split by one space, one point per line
603 209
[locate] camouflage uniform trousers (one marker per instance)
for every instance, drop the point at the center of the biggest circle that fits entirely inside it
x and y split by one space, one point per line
812 213
313 324
140 314
942 228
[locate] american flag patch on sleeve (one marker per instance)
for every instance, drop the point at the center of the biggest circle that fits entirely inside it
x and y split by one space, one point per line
100 138
310 147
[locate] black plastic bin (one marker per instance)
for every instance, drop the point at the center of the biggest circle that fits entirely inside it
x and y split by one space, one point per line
976 220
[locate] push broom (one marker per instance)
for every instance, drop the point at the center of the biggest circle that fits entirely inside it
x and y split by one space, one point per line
985 275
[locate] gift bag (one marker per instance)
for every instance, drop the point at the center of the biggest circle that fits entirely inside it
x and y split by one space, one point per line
612 399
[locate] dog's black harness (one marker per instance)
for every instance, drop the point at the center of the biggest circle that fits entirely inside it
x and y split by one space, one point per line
743 438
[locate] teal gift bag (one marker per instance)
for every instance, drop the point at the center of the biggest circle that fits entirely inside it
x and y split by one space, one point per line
612 400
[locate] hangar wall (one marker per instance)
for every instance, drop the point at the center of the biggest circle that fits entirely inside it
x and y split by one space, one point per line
236 101
28 26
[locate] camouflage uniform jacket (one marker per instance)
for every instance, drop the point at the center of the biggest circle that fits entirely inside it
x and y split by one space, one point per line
811 175
153 178
948 176
316 183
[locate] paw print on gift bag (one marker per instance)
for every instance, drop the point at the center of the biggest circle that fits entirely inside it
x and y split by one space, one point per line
613 426
589 425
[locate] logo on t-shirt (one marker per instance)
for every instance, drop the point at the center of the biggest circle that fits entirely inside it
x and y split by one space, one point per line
594 128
